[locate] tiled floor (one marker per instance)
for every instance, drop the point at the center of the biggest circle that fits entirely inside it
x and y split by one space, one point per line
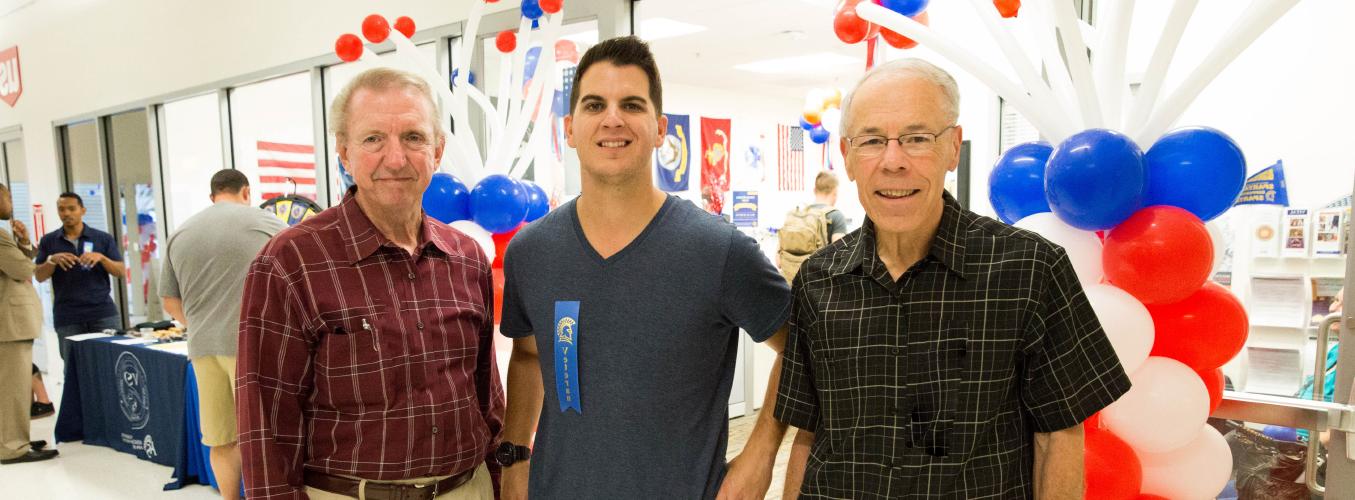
95 472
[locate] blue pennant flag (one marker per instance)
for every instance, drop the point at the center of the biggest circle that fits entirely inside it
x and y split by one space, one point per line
673 158
1266 187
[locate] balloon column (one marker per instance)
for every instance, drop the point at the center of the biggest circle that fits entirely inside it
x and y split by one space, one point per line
1129 202
482 193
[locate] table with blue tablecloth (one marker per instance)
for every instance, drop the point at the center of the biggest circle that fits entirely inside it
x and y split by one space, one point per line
138 398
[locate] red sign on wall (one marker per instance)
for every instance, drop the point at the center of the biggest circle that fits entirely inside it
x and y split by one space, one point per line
11 86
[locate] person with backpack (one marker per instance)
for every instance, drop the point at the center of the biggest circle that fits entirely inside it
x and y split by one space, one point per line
810 227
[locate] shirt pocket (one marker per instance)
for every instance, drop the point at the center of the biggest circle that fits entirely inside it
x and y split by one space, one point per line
349 363
936 365
859 389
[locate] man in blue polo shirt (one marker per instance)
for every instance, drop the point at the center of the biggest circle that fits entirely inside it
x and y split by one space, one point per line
79 259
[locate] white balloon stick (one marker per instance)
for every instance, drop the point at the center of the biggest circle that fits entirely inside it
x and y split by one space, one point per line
466 166
1079 68
1039 117
1258 17
511 102
1110 59
505 87
1020 62
1039 27
542 85
1158 64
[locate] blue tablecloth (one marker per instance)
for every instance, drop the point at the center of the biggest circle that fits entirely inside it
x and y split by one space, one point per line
138 400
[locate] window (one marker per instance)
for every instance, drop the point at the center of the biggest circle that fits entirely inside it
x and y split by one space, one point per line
190 131
272 136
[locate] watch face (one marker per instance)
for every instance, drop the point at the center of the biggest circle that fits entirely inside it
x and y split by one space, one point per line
504 454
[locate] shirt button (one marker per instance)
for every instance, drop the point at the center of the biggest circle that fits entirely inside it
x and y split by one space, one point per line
896 350
435 429
411 276
420 325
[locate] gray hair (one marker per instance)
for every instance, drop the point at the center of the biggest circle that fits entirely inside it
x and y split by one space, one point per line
380 79
912 67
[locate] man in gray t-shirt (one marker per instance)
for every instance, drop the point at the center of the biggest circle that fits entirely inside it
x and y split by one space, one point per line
201 282
625 306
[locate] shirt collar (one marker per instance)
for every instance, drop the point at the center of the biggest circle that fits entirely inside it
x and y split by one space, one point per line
947 246
364 239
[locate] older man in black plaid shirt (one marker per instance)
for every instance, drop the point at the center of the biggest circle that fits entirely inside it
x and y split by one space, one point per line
934 353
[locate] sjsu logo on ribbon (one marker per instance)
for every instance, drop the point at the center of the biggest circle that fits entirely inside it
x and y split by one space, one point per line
567 355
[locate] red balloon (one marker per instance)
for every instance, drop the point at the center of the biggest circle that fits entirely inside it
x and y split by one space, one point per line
1213 382
375 28
550 6
405 26
1092 422
1113 470
902 42
506 41
1147 496
1007 8
1204 331
566 50
348 47
1159 255
497 273
501 245
849 27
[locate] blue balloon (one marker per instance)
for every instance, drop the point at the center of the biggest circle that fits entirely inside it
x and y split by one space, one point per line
1016 185
908 8
1199 169
538 203
806 125
1095 179
345 178
531 9
498 203
447 199
1281 433
819 134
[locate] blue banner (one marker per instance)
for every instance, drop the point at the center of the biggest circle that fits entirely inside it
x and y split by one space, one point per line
567 355
1266 187
745 208
673 158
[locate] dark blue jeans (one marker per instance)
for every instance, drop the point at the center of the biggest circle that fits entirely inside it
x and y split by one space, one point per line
98 325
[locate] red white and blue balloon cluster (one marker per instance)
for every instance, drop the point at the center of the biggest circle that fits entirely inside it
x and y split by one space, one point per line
517 125
1129 202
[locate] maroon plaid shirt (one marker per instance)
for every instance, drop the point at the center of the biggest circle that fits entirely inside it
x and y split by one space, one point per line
358 359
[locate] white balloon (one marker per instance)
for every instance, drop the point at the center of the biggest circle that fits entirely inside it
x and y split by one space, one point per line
1199 469
1216 237
1163 410
831 120
1083 247
1126 322
477 233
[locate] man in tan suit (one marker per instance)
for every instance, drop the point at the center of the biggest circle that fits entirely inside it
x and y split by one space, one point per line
20 323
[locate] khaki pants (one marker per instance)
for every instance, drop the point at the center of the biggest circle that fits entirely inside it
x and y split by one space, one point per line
479 487
16 397
216 398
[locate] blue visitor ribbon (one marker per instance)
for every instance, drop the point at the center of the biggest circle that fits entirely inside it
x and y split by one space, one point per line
567 355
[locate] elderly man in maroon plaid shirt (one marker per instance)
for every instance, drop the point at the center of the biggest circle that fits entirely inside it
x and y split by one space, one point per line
366 365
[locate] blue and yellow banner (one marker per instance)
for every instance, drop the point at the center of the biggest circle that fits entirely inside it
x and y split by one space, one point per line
673 158
1266 187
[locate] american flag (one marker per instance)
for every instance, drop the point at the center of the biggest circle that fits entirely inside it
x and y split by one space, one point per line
279 162
790 158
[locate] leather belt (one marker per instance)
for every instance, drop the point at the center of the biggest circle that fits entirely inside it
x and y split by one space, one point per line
385 491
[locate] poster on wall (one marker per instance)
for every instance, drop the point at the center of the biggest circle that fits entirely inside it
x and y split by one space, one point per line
790 158
11 79
714 162
1265 235
672 159
745 208
1266 187
1278 300
1295 227
1328 237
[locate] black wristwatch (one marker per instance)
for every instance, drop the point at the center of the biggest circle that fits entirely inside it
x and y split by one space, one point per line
509 454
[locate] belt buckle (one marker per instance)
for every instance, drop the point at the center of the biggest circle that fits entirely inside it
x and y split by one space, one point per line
433 485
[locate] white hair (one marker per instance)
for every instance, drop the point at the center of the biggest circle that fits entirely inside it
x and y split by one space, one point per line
912 67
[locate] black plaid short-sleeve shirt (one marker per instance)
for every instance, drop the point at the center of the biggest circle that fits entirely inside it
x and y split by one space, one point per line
932 386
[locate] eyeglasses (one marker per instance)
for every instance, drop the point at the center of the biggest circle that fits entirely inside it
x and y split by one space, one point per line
413 142
919 144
